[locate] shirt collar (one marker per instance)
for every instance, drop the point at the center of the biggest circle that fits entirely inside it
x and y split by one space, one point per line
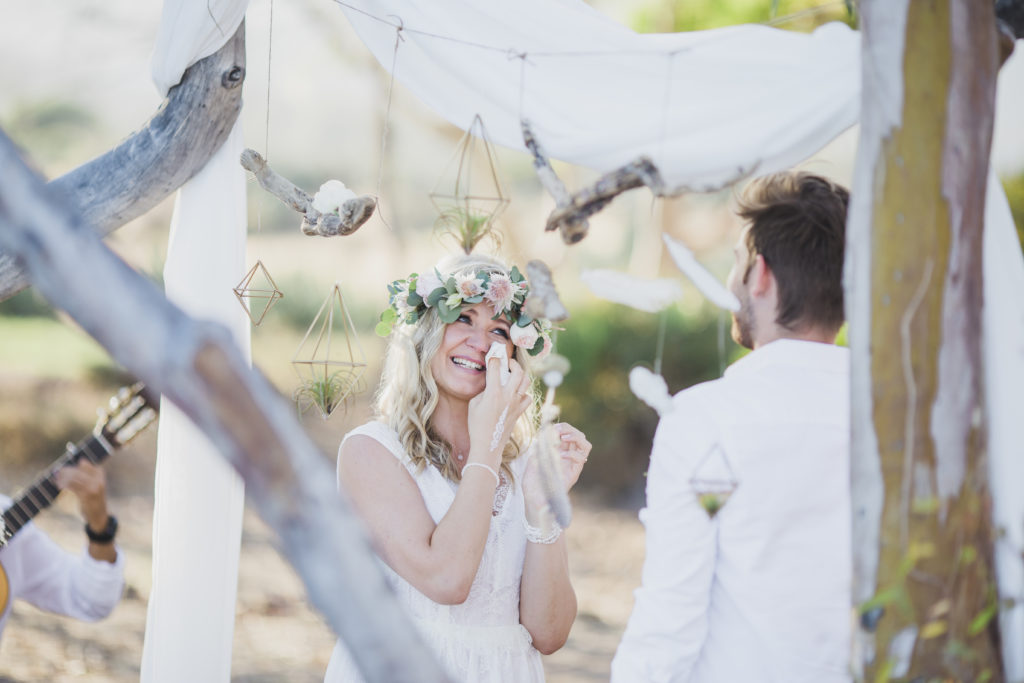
806 354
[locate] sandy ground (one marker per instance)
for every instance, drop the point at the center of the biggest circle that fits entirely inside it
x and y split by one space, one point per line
278 637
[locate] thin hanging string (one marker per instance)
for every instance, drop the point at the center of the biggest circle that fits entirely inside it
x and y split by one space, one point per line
266 123
659 351
270 48
522 83
721 342
387 125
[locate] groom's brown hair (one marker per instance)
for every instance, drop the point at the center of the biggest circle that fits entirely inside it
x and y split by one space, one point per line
798 224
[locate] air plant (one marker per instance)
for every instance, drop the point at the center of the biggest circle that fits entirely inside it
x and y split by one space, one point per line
326 393
466 225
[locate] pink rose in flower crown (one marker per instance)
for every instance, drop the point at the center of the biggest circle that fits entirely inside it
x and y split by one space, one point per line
500 293
468 285
427 283
524 337
545 350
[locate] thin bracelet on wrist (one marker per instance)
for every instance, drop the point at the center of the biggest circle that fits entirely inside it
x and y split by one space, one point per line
538 535
497 480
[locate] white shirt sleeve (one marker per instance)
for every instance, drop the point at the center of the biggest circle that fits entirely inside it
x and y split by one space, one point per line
55 580
668 625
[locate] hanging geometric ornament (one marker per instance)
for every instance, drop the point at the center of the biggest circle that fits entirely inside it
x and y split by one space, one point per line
468 194
329 360
257 293
713 481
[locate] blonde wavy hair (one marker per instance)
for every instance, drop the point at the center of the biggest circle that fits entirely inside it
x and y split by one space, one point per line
408 394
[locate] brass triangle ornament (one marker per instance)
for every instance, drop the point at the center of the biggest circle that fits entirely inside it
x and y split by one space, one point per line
257 293
468 194
713 481
329 360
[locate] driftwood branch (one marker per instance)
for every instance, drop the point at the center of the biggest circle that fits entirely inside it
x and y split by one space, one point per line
198 367
354 212
149 165
543 301
572 210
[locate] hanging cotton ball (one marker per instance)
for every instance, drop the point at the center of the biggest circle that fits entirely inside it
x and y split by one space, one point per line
651 389
553 378
331 195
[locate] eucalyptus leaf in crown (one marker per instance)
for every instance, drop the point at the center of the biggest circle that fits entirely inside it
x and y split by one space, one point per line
411 298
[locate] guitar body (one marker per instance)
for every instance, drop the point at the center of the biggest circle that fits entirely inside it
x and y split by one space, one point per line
5 589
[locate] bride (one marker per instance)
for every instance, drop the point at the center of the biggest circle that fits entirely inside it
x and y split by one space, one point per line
444 480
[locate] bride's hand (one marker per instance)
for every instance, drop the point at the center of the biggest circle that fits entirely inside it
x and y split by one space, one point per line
488 408
573 450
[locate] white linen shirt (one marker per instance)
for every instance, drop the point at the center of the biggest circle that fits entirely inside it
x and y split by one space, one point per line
41 572
761 592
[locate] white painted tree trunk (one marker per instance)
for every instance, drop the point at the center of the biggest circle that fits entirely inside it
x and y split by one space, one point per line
923 533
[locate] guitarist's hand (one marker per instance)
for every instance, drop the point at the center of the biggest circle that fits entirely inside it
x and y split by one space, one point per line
89 484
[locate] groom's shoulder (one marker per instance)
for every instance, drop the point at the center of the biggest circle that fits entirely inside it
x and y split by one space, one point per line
703 394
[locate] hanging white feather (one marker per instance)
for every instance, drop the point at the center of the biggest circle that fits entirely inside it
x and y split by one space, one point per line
644 295
707 283
651 389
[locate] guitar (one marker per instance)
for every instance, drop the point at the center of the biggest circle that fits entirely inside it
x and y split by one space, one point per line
129 411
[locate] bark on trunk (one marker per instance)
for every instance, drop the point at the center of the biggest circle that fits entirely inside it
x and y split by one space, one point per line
197 366
923 576
149 165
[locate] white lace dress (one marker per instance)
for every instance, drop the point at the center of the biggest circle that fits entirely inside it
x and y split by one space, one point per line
481 640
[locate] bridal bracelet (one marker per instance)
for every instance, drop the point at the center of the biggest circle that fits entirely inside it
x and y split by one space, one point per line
538 535
497 481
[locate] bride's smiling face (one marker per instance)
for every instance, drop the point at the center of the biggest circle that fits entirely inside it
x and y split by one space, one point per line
458 366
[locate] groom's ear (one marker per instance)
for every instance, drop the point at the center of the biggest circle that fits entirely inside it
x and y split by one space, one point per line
761 280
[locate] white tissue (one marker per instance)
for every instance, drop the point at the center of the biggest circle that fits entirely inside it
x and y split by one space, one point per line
498 350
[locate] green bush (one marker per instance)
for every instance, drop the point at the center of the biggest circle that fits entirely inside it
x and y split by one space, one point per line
27 304
303 298
604 343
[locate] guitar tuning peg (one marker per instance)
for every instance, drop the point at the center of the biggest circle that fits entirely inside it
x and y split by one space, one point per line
69 447
122 395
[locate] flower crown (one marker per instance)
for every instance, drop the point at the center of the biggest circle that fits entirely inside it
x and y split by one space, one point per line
410 298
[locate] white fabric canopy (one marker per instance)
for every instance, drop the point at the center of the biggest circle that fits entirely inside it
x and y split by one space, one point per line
703 105
197 520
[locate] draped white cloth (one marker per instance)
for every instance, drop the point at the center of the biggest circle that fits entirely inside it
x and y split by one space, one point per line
704 105
1003 349
197 521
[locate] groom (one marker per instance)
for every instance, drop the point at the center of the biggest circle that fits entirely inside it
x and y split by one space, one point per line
760 589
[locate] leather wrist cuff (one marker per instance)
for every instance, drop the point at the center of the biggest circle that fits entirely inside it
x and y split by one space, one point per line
105 536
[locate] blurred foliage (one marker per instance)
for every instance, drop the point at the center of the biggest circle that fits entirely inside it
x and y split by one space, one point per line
603 343
28 303
668 16
51 130
1014 187
303 297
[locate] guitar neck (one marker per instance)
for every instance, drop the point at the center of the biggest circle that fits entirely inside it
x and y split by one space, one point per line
41 493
